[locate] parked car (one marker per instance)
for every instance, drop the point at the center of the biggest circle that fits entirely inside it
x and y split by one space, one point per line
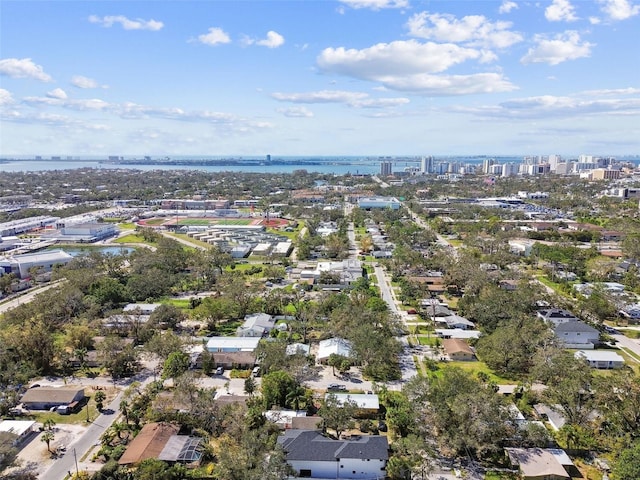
337 386
219 370
255 372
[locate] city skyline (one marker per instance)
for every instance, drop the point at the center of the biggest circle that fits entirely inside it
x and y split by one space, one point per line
350 77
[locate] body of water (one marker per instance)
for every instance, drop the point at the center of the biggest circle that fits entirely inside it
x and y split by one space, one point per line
356 168
324 165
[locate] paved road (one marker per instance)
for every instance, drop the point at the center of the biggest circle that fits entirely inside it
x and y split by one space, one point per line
407 365
27 296
353 246
62 466
633 345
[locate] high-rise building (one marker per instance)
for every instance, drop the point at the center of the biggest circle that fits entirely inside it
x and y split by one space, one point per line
486 164
386 169
426 165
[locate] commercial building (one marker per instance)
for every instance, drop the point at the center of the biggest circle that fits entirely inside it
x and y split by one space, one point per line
368 203
23 265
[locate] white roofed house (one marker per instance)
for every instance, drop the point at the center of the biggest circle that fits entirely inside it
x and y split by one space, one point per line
256 325
232 344
21 429
336 345
454 321
601 359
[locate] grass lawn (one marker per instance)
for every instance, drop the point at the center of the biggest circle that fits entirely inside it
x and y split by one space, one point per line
241 267
475 367
182 303
227 328
132 238
237 221
127 226
193 221
428 340
156 221
81 416
290 235
634 334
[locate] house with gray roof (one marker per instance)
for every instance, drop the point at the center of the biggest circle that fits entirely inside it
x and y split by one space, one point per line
577 335
313 455
256 325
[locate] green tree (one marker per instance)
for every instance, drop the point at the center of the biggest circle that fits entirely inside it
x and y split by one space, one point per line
175 365
99 398
276 386
627 467
49 423
250 386
48 437
337 415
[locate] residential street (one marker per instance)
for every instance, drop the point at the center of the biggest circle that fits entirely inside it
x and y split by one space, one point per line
407 364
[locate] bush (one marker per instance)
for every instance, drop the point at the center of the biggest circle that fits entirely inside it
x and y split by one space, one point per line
236 373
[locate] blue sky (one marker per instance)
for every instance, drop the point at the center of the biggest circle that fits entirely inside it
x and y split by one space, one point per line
350 77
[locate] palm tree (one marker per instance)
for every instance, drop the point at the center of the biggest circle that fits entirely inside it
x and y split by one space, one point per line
49 423
100 397
297 395
124 409
48 437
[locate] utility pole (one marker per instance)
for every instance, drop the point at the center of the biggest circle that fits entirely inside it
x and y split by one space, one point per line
76 460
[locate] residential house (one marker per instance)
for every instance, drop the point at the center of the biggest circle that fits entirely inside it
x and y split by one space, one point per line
22 429
44 398
454 321
556 316
541 463
232 344
256 325
577 335
458 350
161 441
298 349
140 308
241 360
313 455
368 404
601 359
336 345
457 333
284 418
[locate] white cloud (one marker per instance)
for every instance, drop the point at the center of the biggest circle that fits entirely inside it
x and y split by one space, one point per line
395 58
83 82
273 40
352 99
23 68
5 97
296 112
619 9
410 66
57 93
549 106
564 46
376 4
594 20
471 29
58 98
560 10
446 85
323 96
215 36
507 6
126 23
